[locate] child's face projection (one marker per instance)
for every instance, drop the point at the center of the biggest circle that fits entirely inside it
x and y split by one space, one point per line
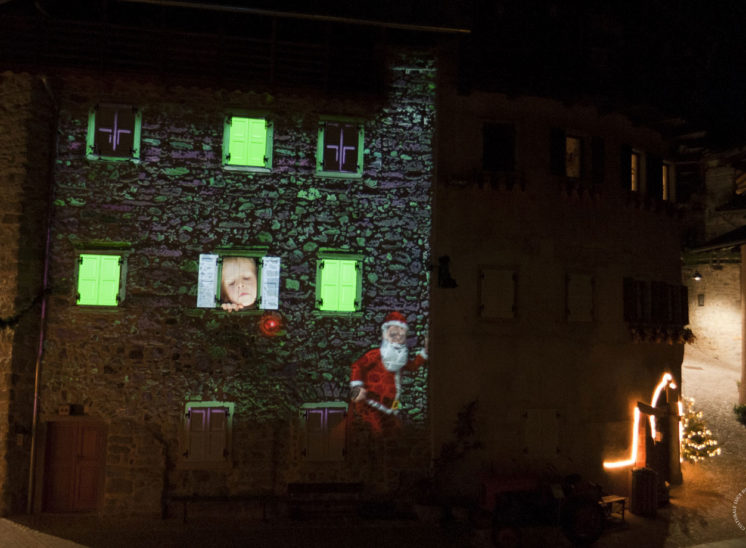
239 281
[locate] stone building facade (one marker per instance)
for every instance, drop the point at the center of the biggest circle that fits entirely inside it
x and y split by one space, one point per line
27 114
126 382
552 293
712 262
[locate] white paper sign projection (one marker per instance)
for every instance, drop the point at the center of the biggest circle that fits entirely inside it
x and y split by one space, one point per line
270 283
207 282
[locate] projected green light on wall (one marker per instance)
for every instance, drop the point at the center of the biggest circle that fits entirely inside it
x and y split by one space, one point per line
338 285
247 142
98 279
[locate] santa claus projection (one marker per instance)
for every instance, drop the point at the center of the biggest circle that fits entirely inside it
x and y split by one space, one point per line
376 377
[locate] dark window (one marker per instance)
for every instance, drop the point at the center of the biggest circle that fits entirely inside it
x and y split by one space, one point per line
114 132
342 147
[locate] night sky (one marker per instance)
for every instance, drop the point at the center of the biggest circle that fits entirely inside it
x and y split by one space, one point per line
686 58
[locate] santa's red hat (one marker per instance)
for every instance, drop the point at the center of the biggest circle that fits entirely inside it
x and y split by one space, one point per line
394 318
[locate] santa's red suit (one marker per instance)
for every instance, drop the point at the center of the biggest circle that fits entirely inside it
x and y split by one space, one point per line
382 384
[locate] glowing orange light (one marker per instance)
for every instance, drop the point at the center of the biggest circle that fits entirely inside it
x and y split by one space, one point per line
633 454
666 379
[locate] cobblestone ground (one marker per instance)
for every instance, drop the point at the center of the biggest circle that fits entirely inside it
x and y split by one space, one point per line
706 510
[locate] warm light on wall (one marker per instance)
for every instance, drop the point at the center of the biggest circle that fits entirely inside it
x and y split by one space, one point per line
681 430
633 456
666 379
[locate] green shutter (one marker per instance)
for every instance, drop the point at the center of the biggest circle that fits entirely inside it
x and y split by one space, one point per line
347 286
330 284
257 142
247 143
88 279
239 139
108 286
339 285
98 280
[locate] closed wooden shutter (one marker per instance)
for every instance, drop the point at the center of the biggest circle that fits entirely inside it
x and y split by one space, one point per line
598 160
88 270
329 273
109 280
557 151
239 141
625 167
325 433
654 177
98 279
336 424
339 284
256 146
497 293
579 298
207 429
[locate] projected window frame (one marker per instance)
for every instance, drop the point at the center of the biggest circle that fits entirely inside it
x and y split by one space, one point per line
339 283
340 147
498 293
498 147
207 435
100 278
114 132
580 297
214 293
248 142
323 433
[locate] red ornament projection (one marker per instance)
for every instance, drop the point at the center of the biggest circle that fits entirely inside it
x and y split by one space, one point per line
270 324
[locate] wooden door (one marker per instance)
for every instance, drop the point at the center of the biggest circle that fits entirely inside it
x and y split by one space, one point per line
74 466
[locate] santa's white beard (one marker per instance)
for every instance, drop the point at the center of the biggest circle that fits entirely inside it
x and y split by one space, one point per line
393 355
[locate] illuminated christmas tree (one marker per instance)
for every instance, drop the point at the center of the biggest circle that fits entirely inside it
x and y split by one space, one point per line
697 441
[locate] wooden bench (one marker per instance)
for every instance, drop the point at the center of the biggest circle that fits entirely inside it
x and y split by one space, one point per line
614 506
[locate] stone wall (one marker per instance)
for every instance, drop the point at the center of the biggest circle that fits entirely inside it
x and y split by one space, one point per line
26 121
136 366
715 305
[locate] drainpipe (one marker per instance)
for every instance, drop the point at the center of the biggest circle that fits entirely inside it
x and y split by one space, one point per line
742 388
44 290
